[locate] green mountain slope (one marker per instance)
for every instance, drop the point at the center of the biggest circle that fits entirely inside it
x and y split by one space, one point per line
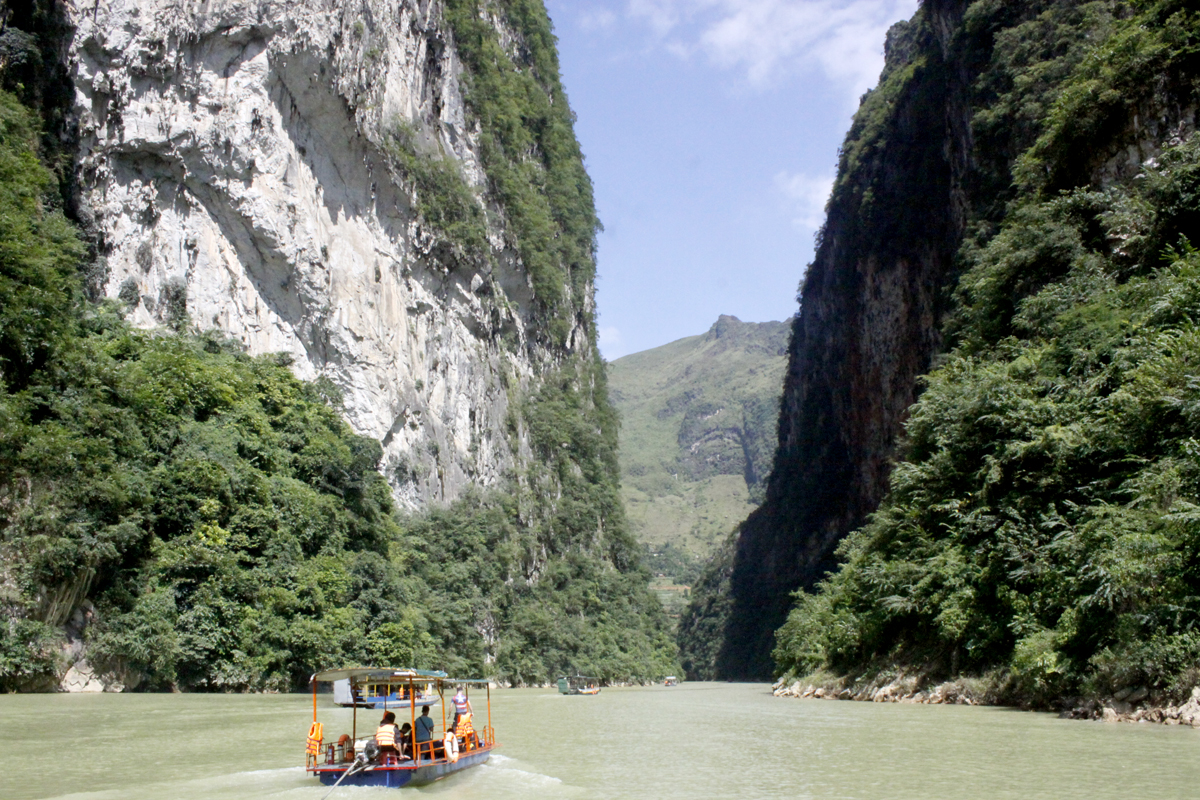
697 437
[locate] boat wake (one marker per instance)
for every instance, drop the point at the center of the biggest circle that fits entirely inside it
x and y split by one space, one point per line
282 782
501 778
509 766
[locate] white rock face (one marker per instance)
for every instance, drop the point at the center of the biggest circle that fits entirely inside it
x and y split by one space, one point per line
81 679
231 160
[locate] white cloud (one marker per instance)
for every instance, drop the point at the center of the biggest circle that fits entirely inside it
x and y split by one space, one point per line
597 19
767 39
808 196
663 15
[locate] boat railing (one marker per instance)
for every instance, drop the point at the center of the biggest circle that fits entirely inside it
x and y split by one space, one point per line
426 751
483 738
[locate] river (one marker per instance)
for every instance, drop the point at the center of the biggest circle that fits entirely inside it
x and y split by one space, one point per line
697 740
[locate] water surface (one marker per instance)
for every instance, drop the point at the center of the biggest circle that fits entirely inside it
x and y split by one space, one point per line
697 740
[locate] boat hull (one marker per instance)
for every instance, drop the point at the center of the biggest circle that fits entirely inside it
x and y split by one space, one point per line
391 705
404 775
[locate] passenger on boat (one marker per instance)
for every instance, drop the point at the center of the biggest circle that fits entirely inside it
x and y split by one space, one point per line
385 736
404 740
465 731
461 706
424 726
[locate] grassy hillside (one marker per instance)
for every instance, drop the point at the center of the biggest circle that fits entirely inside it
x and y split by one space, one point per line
697 436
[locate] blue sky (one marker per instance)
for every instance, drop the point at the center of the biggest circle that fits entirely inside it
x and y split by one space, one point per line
711 129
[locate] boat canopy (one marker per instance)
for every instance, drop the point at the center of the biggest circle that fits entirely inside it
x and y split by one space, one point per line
379 674
466 681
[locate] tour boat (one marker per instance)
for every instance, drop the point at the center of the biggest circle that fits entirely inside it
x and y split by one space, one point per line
579 684
348 760
671 680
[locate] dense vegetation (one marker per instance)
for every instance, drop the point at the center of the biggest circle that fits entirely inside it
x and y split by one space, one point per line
203 520
1041 527
553 574
701 629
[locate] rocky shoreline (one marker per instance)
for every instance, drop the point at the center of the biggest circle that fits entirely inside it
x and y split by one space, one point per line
1126 706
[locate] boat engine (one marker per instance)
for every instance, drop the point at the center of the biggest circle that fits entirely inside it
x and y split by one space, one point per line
371 750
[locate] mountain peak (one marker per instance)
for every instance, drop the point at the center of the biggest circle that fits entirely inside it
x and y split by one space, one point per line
724 326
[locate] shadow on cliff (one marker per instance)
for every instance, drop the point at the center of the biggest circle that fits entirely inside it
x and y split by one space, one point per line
867 329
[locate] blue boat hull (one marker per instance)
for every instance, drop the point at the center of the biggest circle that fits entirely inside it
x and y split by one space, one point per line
396 777
391 703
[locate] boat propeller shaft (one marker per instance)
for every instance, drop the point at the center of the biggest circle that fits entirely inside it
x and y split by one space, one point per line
360 763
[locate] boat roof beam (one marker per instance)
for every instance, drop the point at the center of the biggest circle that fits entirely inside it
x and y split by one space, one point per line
380 674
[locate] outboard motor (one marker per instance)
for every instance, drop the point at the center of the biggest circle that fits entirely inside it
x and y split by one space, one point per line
371 750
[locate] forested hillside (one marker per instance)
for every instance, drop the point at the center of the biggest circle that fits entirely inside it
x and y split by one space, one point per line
1008 245
697 435
1041 523
1018 196
177 514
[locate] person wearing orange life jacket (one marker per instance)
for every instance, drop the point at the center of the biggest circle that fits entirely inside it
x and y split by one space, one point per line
385 735
461 706
463 727
465 731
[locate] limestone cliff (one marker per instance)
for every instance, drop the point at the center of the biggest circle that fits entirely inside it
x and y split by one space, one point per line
387 198
929 163
242 166
866 329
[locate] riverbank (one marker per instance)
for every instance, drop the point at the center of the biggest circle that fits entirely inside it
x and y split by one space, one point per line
1127 706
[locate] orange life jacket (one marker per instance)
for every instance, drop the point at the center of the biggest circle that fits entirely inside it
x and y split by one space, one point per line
314 739
385 735
464 728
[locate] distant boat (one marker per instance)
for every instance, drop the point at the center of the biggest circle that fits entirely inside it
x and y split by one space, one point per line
361 762
578 684
671 680
382 695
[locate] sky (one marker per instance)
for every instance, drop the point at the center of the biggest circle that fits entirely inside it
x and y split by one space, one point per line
710 129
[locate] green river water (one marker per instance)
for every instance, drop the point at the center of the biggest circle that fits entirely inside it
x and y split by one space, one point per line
697 740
